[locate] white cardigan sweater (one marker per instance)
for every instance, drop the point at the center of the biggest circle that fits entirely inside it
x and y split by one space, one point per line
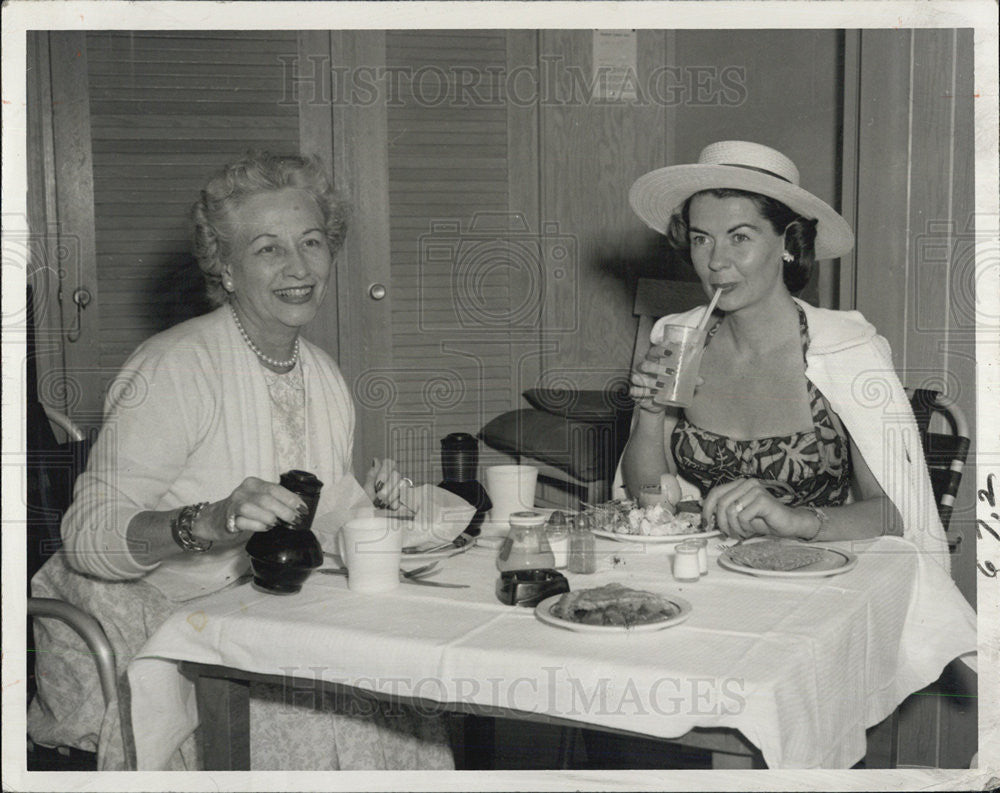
852 366
187 419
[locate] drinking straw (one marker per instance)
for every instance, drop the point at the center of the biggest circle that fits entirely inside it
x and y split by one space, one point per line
709 310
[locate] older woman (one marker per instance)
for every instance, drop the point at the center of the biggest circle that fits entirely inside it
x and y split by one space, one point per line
199 425
783 436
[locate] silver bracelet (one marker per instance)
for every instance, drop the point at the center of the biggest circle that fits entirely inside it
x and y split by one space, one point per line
823 520
180 528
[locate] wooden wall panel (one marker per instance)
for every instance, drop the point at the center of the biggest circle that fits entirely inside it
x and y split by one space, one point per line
590 155
960 348
41 248
883 221
915 282
361 172
930 220
914 192
781 88
84 376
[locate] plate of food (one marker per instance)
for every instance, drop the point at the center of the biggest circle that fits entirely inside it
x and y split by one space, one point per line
613 608
626 521
786 559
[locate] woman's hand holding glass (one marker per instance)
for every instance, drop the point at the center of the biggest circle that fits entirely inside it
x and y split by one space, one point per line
746 508
644 379
255 505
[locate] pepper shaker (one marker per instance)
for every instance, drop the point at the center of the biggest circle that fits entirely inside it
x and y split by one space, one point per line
582 556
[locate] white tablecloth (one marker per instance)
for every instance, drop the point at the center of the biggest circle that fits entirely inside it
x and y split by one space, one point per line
801 668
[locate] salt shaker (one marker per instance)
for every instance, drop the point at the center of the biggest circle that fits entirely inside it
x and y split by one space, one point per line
557 533
702 555
686 567
582 548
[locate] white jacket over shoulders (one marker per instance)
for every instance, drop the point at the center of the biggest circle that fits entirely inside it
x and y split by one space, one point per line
852 366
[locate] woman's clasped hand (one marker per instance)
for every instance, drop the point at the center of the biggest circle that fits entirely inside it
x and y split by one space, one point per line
746 508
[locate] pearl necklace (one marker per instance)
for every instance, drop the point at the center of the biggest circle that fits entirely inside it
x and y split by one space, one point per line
270 361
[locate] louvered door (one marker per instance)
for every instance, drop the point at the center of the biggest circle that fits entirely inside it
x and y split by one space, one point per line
466 257
167 109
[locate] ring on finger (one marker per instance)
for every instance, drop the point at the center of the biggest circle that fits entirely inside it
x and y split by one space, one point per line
231 526
406 481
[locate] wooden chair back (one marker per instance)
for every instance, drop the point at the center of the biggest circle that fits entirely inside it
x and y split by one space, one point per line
945 453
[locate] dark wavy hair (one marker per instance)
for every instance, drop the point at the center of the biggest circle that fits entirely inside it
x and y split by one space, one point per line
799 233
257 172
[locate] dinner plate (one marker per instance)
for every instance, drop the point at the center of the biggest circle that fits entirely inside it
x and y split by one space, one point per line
651 539
834 562
544 612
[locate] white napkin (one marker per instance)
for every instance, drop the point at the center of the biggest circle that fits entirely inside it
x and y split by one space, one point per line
341 502
439 515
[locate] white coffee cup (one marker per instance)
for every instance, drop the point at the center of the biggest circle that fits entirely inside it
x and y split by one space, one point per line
371 550
511 488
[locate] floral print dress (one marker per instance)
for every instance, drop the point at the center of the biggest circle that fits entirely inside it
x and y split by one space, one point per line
803 468
302 727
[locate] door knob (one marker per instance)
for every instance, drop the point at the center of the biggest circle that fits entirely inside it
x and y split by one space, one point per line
376 291
81 297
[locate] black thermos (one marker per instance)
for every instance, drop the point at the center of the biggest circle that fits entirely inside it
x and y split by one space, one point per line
459 461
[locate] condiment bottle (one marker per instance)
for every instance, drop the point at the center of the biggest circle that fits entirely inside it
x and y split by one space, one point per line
283 555
557 533
459 463
702 555
525 547
686 567
306 486
582 555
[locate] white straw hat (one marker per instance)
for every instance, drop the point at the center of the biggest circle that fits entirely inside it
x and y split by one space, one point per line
739 165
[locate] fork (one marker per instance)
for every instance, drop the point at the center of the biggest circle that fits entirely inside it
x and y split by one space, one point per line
414 573
413 549
723 547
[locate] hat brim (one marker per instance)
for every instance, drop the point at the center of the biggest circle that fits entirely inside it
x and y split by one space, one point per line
657 195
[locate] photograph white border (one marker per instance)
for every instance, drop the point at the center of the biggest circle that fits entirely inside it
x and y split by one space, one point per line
22 15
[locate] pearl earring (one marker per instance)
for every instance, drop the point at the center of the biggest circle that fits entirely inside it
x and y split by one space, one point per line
227 283
787 257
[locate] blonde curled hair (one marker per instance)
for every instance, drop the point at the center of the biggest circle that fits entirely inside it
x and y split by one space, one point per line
257 172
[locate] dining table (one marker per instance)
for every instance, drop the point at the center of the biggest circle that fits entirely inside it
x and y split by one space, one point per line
794 668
